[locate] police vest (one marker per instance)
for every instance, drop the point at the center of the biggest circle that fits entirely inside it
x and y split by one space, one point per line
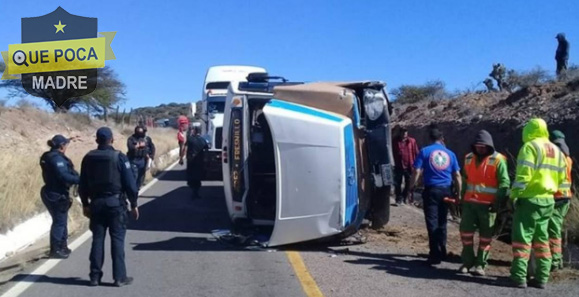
565 189
195 146
104 177
48 174
140 153
482 182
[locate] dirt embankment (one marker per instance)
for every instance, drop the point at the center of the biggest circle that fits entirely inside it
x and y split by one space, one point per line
502 114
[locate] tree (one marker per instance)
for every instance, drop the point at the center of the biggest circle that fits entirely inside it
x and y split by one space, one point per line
110 91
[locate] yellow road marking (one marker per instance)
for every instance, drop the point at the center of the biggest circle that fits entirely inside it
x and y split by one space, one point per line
306 280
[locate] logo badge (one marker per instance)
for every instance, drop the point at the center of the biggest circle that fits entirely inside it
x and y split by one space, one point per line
59 56
440 160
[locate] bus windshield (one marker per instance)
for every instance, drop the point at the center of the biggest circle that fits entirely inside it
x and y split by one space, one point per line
216 106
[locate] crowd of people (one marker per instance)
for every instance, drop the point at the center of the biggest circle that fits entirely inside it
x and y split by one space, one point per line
538 198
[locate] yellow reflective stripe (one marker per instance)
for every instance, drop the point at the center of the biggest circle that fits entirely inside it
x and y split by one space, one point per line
519 185
565 186
526 163
551 167
493 158
468 159
481 189
539 153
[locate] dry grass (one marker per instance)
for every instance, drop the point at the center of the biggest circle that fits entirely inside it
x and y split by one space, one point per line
24 132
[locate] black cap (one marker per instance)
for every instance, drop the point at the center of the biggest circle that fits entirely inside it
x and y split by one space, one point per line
104 134
435 134
59 140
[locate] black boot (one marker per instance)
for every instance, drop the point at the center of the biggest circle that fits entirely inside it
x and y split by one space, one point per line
59 254
127 281
65 248
95 281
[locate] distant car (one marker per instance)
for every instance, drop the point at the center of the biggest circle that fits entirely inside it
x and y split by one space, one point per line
307 159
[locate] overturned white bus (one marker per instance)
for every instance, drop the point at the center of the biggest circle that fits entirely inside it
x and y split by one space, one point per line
308 159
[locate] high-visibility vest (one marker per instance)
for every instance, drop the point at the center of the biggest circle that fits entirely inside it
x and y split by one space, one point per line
482 184
547 164
565 189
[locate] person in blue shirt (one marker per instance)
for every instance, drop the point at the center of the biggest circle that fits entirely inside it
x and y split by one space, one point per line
439 167
59 175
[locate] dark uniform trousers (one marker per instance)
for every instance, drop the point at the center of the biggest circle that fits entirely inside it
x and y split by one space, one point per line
108 213
399 174
193 174
57 205
140 169
436 215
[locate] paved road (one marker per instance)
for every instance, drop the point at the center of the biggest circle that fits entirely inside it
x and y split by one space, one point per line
171 252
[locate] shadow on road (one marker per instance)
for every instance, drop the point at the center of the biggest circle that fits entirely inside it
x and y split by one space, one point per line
176 211
174 175
414 267
67 281
187 244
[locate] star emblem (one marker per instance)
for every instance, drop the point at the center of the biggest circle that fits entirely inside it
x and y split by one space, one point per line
59 27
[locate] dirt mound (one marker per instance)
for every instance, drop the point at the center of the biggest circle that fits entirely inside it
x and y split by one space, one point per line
555 102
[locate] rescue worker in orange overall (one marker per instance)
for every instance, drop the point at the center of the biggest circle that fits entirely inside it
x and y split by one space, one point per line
562 202
487 181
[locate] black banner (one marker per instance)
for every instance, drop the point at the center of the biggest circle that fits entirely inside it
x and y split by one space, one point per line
236 154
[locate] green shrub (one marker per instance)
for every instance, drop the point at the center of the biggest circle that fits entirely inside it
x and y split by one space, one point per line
519 80
432 90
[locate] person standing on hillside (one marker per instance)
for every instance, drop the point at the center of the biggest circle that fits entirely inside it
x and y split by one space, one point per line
562 54
440 167
405 152
487 181
194 148
562 202
59 175
140 150
498 73
106 182
540 173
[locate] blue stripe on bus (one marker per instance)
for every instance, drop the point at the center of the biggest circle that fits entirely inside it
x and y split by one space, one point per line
351 178
304 110
356 112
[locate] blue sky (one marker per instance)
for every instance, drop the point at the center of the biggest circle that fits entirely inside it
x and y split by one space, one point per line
164 48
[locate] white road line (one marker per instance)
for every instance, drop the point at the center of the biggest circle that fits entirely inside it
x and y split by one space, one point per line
28 281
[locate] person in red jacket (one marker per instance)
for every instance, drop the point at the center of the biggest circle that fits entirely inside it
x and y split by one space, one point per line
405 152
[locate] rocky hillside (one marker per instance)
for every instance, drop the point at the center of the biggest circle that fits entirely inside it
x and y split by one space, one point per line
502 114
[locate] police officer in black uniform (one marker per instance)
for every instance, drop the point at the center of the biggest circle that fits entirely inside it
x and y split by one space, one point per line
59 175
194 148
140 150
106 182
